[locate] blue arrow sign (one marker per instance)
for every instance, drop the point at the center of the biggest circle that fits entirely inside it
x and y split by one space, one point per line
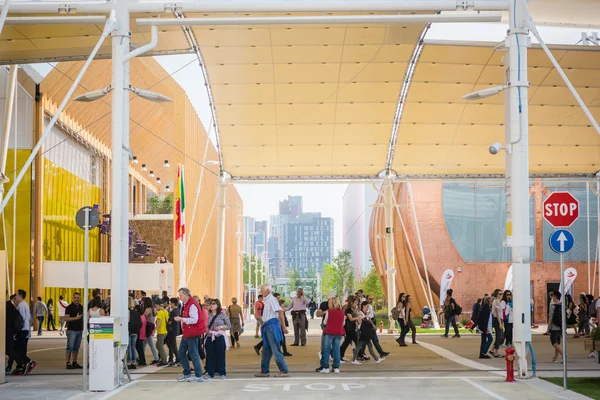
561 241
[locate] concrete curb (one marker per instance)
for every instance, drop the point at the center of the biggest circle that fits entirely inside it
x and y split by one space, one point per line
552 389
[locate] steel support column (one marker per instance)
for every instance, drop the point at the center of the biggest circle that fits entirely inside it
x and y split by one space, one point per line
120 175
517 177
220 259
388 207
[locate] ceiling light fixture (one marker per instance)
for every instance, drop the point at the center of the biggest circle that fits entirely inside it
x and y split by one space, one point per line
134 160
166 164
144 167
151 174
158 180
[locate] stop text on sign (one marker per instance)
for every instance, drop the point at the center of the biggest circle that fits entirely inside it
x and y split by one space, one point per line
561 209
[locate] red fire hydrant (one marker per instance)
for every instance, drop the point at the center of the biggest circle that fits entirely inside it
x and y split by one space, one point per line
510 364
380 326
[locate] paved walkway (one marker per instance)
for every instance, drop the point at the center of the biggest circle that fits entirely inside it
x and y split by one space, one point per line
437 367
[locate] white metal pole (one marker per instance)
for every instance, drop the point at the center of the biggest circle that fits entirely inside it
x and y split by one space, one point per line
220 259
120 175
4 13
563 320
589 272
434 317
86 257
389 248
238 237
14 230
517 177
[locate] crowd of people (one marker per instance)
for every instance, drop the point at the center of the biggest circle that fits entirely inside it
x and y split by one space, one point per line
208 330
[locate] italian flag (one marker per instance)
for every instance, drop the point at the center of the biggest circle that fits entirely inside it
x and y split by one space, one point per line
180 205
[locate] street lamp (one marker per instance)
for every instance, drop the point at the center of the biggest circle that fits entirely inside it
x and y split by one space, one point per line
144 94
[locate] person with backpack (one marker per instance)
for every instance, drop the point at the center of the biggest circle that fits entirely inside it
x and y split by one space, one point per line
365 336
217 342
555 324
451 310
350 326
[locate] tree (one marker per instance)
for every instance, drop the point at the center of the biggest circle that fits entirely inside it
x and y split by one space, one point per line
294 279
372 286
339 275
250 266
157 205
309 283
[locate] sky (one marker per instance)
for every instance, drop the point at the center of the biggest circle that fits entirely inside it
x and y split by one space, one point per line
261 200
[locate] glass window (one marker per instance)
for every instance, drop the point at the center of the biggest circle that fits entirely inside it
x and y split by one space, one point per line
475 216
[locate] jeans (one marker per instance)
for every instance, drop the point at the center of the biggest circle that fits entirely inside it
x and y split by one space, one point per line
49 322
172 345
190 346
350 337
508 332
235 338
131 347
404 329
40 319
12 351
273 350
331 343
73 341
376 344
499 335
451 320
215 356
152 346
362 343
486 342
160 341
140 346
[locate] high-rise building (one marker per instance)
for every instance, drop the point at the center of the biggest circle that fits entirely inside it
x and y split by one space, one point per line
357 211
255 236
299 240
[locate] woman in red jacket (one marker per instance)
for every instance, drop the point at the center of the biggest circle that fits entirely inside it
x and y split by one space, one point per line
333 334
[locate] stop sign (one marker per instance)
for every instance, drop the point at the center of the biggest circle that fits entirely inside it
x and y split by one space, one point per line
561 209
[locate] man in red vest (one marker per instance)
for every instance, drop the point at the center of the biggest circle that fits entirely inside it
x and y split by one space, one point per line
193 324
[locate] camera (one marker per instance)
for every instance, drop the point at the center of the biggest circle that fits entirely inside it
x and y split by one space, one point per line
495 148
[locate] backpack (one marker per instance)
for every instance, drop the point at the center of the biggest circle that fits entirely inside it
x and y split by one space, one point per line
457 309
395 313
557 315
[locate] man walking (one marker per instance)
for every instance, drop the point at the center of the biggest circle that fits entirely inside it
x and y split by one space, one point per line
74 318
62 306
192 327
555 325
40 312
174 329
272 330
450 314
25 333
298 307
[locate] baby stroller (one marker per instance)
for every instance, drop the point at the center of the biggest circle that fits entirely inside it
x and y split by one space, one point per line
426 320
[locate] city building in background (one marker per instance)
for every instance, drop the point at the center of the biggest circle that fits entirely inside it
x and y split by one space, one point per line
255 236
357 210
299 240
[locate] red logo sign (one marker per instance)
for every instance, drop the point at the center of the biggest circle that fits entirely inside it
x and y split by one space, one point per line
561 209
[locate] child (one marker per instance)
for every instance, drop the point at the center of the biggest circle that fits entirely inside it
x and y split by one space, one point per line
365 334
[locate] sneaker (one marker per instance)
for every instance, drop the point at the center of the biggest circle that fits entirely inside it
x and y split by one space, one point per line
183 378
444 336
382 359
385 354
154 362
209 378
224 377
281 375
322 370
195 379
457 336
261 375
237 345
61 333
484 356
286 354
336 370
342 361
355 362
7 370
18 372
132 366
162 364
76 366
29 367
69 366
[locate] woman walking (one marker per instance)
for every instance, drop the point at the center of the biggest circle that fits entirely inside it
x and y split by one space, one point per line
571 314
584 318
333 320
484 324
401 313
409 322
50 306
365 335
217 342
135 324
140 344
507 309
236 317
350 326
150 314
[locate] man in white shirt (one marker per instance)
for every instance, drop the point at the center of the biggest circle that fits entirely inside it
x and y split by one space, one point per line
272 330
25 334
62 306
298 307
